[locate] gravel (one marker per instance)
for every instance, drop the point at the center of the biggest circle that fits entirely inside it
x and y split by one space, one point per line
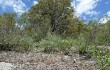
43 61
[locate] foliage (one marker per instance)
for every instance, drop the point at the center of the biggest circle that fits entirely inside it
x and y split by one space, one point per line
7 22
102 57
52 25
95 35
7 25
103 37
54 43
26 44
58 14
11 37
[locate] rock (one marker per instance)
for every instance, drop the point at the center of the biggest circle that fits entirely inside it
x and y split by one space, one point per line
66 58
6 66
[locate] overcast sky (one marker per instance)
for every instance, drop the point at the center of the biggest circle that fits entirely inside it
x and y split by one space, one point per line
85 9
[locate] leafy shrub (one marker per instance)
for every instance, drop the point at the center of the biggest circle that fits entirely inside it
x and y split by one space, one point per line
26 44
81 43
55 43
102 57
14 42
103 37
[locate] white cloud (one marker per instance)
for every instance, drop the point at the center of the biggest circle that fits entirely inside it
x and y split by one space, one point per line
18 5
0 1
91 13
85 7
104 20
35 2
108 13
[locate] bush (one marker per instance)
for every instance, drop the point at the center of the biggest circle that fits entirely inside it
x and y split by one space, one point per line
54 43
81 44
102 57
26 44
103 37
17 42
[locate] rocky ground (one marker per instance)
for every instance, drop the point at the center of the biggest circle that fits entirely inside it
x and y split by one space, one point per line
43 61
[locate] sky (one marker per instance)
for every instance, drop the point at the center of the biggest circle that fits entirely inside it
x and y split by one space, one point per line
84 9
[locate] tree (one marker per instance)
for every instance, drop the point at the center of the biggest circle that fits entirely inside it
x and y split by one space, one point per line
7 24
107 25
7 29
58 14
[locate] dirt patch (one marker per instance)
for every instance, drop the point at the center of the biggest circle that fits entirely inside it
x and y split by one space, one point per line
42 61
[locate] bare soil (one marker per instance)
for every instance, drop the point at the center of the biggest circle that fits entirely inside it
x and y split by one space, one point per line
43 61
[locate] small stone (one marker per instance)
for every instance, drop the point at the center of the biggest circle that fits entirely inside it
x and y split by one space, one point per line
6 66
66 58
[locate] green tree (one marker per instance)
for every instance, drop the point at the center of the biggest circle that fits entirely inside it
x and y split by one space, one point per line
58 14
7 29
7 24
